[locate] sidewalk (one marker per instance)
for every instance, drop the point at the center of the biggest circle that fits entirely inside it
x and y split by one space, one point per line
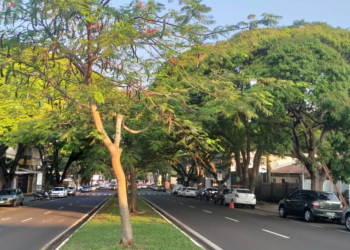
268 207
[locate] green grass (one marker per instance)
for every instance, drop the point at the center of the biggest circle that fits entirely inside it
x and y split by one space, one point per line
150 231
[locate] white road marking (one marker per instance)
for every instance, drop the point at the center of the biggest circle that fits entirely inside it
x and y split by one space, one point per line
283 236
26 220
207 211
174 201
70 204
192 206
231 219
316 226
6 218
61 207
77 201
343 231
47 212
181 203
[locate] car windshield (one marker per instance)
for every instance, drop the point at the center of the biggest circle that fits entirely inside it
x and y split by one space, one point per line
57 189
191 189
327 197
244 191
8 192
70 187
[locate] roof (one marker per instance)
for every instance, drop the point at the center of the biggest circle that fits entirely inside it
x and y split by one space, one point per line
291 169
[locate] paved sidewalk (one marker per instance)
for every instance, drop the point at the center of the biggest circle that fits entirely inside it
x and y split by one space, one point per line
268 207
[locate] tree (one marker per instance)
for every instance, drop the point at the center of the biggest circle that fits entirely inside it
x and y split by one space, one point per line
306 73
91 38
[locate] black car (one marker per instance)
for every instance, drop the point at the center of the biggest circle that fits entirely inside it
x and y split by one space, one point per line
219 196
311 204
161 189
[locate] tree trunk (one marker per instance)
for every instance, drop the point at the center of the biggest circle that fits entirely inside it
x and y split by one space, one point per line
133 197
2 179
126 239
255 170
268 169
317 179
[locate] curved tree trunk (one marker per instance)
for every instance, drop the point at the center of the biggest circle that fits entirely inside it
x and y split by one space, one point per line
255 170
317 179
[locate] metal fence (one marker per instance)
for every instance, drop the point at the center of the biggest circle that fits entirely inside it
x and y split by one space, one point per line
274 192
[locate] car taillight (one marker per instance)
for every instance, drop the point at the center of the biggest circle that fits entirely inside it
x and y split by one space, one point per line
236 195
315 203
341 207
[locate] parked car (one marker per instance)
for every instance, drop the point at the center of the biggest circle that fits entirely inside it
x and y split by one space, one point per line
143 186
311 205
219 196
93 188
180 192
189 192
86 189
59 192
112 187
155 187
240 197
175 191
11 197
161 189
346 218
71 190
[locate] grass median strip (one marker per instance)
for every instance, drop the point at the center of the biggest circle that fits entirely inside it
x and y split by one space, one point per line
150 231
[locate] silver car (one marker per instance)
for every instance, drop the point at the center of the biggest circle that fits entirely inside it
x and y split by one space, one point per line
11 197
346 218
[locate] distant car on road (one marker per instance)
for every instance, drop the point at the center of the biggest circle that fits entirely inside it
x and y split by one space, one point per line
59 192
161 189
189 192
311 205
241 197
86 189
112 187
11 197
71 190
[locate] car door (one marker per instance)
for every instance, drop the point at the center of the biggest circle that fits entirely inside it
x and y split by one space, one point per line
229 195
299 205
290 202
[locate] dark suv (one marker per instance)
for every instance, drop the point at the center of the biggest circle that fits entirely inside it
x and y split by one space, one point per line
311 204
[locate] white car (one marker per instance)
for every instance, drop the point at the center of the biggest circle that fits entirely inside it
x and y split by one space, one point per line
240 196
189 192
59 192
346 218
181 191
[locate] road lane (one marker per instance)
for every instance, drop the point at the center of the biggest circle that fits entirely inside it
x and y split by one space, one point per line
38 222
249 229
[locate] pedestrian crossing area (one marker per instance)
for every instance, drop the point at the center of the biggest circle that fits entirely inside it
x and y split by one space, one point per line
152 193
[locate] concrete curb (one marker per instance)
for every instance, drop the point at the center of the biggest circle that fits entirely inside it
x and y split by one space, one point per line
197 238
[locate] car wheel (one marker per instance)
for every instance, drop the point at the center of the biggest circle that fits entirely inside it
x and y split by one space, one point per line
222 202
347 222
14 204
21 202
282 212
308 216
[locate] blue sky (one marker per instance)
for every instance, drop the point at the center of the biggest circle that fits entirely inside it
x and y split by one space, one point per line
334 12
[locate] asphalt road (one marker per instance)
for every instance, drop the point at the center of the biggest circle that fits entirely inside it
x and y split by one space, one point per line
245 228
37 223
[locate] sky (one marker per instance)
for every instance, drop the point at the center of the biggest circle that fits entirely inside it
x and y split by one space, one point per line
333 12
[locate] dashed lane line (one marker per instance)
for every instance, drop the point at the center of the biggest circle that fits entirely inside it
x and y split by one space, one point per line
277 234
231 219
5 218
313 225
207 211
47 212
61 207
26 220
192 207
